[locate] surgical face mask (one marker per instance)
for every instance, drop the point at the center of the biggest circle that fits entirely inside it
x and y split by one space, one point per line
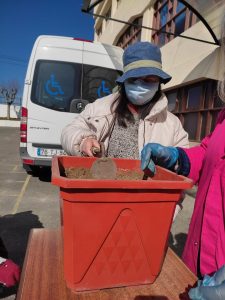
140 92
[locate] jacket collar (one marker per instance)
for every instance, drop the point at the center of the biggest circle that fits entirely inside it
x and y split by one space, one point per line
157 108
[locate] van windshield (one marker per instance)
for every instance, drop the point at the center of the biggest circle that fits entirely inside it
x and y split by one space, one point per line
68 87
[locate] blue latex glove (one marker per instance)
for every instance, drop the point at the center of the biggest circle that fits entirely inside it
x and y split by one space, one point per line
210 288
153 153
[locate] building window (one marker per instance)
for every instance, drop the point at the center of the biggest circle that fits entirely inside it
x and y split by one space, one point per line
131 35
197 106
170 16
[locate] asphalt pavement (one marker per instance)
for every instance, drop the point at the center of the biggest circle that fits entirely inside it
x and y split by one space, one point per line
26 201
31 201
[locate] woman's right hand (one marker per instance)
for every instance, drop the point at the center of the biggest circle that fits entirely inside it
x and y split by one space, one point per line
87 146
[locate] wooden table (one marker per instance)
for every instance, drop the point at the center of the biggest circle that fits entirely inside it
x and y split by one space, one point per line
42 275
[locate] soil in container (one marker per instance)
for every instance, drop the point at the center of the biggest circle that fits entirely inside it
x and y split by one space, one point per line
84 173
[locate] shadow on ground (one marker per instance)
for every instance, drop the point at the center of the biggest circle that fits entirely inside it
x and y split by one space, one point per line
43 173
6 292
177 243
14 233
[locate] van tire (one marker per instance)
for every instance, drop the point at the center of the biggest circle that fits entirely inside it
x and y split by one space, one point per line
32 170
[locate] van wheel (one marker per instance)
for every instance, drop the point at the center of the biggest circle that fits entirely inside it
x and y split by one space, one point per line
32 170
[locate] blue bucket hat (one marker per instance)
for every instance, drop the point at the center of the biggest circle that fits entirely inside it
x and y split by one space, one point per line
142 59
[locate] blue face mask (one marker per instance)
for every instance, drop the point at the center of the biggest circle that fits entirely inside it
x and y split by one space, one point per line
140 92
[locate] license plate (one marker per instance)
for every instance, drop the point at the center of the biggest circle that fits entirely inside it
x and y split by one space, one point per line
50 152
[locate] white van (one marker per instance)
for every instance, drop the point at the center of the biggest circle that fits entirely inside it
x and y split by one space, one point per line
63 75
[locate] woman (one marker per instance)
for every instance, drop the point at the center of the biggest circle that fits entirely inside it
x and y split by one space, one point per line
137 114
204 252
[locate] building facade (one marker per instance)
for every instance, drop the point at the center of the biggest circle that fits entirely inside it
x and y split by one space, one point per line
195 66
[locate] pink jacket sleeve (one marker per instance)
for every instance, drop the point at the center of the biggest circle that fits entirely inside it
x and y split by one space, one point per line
196 154
196 157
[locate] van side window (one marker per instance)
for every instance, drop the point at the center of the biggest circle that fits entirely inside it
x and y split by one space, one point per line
57 83
98 82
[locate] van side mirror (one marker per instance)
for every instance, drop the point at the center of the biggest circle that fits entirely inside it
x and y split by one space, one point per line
77 105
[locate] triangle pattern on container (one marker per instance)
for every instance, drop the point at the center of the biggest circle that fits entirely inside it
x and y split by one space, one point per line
126 261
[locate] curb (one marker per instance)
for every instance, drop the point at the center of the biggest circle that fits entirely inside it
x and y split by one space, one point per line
9 123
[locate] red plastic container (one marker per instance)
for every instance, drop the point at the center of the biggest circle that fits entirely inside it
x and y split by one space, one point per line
115 232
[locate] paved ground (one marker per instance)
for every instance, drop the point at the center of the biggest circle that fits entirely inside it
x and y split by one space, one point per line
32 202
25 201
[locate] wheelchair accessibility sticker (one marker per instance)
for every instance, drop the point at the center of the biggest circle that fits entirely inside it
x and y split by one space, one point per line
52 87
103 90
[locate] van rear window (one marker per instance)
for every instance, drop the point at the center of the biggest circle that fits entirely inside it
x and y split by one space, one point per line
68 87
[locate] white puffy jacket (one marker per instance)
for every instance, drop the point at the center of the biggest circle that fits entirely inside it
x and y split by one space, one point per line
97 120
